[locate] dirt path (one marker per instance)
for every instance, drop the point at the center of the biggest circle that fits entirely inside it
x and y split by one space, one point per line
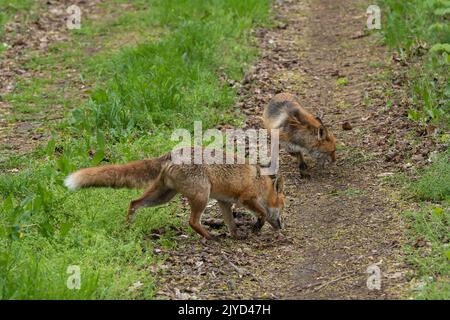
343 219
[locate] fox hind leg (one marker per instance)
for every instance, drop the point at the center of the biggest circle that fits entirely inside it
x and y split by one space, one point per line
154 196
301 162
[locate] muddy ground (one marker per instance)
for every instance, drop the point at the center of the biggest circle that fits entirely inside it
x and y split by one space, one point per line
344 218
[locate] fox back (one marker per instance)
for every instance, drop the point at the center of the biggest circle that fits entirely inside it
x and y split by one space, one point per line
300 131
231 183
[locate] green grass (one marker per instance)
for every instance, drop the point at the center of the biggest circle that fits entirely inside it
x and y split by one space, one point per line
164 83
428 230
420 31
428 251
343 81
33 98
24 9
8 8
140 94
434 184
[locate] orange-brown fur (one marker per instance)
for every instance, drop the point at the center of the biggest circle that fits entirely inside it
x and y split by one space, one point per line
163 179
135 174
299 130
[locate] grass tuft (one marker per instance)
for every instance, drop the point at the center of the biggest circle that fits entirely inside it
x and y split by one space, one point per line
434 184
420 32
428 247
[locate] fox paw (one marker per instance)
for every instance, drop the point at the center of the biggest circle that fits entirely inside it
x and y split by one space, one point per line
214 236
256 228
302 166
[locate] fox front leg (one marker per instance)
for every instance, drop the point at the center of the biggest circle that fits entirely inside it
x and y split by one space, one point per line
227 214
258 224
295 152
302 166
254 206
301 162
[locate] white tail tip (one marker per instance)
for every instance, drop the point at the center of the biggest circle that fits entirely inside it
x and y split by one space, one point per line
71 182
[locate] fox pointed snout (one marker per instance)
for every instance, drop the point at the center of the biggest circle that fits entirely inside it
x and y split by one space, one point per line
276 223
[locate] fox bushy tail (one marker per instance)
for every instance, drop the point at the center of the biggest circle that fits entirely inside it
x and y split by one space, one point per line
136 174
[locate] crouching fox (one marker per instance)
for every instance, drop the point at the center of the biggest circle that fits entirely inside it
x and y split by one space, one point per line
163 179
300 132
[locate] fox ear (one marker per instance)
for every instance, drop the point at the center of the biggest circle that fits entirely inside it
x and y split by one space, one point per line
278 184
322 133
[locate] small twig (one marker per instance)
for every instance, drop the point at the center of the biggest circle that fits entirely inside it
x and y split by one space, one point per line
235 267
239 270
321 284
333 281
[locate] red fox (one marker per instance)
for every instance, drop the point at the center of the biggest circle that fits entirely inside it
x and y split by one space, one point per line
163 179
300 132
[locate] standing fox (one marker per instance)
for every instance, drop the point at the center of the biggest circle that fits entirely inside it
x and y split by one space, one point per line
300 132
163 179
